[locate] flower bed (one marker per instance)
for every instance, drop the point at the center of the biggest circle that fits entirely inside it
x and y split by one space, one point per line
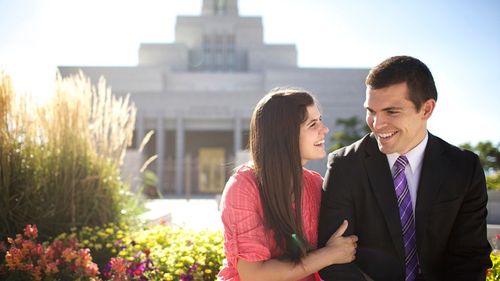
117 252
114 252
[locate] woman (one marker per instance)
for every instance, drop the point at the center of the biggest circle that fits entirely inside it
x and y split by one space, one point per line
270 206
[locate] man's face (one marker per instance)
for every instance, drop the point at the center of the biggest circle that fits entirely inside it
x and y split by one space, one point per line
392 117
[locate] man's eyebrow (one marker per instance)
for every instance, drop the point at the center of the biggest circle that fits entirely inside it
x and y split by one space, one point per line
390 108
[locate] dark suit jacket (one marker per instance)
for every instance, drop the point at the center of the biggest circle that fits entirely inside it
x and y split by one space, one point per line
450 213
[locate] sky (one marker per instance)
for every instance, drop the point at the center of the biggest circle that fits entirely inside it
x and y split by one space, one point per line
459 40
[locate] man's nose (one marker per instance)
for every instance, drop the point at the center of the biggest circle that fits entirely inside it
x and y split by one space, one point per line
378 122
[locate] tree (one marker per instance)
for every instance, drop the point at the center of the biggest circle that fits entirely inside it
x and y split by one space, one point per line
489 155
351 130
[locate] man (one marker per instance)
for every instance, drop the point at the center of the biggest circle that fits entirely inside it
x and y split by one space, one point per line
421 216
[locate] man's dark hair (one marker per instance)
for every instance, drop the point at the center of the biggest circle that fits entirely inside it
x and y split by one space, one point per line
398 69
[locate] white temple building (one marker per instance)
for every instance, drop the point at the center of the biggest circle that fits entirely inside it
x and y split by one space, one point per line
198 93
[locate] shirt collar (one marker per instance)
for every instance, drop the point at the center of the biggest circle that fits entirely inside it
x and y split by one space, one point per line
415 156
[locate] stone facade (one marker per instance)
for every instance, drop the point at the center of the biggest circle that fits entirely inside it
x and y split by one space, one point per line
198 93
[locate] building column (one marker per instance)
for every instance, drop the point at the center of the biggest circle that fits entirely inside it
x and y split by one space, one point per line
139 131
237 134
160 150
179 155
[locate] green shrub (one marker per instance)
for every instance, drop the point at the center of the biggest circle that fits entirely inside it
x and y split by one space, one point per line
493 181
104 241
179 252
59 162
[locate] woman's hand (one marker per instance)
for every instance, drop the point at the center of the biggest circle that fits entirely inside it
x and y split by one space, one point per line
342 249
337 250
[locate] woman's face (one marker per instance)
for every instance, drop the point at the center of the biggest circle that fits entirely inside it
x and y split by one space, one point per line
312 136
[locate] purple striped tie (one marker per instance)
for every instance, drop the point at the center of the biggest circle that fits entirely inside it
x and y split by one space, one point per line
406 216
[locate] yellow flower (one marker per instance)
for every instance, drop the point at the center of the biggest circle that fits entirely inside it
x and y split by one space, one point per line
179 272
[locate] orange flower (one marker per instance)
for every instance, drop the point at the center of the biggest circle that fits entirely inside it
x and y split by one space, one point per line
91 269
14 258
118 265
25 254
36 272
68 254
51 268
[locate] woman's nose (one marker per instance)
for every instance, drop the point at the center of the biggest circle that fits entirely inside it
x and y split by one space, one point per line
325 129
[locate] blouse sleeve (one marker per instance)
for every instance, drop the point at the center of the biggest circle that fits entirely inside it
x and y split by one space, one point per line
244 233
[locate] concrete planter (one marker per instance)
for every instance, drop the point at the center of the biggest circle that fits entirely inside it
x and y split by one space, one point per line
493 207
493 218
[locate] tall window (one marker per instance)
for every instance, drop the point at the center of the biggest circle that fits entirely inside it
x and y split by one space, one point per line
220 7
218 53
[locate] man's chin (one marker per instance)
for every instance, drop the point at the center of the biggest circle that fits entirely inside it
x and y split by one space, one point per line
384 148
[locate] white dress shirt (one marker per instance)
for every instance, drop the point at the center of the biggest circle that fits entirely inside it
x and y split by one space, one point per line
413 169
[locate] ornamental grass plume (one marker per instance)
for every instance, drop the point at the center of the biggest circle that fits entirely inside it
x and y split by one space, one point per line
60 162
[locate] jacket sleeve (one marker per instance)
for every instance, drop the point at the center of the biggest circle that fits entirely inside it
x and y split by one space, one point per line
336 206
468 252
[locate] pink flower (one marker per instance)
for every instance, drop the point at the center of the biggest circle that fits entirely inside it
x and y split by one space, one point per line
31 231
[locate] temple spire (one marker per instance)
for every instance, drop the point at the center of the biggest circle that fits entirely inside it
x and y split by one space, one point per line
220 7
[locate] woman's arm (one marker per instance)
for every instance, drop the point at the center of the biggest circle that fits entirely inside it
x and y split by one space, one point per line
337 250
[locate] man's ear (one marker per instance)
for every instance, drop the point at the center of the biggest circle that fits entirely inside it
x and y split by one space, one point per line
427 108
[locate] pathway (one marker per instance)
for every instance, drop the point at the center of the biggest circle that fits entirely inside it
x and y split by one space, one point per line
193 213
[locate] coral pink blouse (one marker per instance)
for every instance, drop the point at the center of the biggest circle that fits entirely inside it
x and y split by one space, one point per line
245 236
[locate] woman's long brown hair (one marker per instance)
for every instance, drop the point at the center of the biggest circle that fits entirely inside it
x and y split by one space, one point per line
274 147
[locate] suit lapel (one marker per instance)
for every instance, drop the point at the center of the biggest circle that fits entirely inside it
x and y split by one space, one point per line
434 169
382 186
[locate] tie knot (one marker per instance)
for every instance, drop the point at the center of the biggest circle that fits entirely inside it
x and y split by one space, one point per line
401 162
